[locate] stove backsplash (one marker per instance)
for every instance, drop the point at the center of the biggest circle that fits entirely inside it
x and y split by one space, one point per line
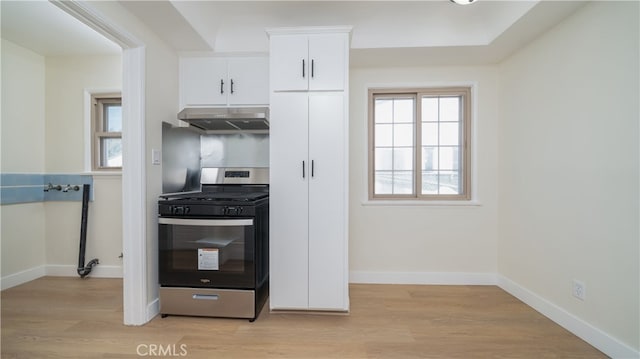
234 150
185 151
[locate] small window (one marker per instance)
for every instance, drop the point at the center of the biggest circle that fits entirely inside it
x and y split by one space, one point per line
107 132
419 144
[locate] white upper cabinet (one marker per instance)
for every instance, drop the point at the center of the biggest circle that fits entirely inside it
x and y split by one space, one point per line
289 58
224 81
313 62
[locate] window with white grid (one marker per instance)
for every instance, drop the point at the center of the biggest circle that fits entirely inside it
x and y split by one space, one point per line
419 143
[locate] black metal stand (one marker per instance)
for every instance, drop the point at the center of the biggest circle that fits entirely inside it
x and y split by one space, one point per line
83 270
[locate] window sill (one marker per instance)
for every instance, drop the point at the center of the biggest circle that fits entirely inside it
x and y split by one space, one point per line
104 173
420 203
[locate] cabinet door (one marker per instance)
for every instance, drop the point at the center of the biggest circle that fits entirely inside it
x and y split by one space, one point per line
289 63
327 214
248 81
327 56
200 79
288 201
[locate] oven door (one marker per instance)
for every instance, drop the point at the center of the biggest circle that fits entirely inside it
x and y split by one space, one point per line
217 253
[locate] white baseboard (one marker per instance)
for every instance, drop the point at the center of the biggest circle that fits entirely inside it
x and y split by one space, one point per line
433 278
99 271
24 276
587 332
153 309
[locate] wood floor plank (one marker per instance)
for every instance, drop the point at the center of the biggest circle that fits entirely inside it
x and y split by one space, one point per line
82 318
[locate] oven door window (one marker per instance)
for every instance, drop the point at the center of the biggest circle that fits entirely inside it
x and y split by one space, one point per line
207 252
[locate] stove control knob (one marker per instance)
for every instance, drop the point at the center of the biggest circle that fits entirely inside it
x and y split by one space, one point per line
178 210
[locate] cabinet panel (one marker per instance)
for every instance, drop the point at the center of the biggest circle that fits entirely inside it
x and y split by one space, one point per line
327 238
207 81
288 210
200 81
249 77
289 63
328 58
314 62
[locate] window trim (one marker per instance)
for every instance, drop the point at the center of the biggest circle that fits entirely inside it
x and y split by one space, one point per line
466 91
97 129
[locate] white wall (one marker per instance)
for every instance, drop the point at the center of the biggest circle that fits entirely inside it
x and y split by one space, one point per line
22 150
23 110
426 244
67 79
569 167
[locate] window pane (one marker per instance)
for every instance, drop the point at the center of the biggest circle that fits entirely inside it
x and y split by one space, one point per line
403 110
429 158
449 182
430 109
384 135
403 135
429 182
429 134
403 159
449 134
111 152
403 182
384 159
448 159
113 117
384 110
383 182
450 109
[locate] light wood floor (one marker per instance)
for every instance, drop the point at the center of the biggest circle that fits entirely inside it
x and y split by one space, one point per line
55 317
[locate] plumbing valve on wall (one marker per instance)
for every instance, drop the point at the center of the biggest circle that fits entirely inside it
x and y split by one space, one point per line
67 188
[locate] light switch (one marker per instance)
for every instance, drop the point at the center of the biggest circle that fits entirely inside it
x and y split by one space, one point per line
156 156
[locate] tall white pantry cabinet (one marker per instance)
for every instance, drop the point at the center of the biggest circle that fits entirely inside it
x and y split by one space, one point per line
309 92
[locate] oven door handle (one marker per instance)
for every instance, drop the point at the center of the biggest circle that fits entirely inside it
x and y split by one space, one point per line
206 222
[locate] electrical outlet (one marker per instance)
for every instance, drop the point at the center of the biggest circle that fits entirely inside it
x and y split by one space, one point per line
579 289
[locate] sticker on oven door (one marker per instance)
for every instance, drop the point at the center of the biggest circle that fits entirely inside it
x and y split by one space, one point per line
208 259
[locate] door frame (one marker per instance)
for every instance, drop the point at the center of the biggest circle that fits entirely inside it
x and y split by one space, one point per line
134 210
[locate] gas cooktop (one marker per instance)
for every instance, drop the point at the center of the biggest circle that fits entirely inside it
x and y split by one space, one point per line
216 196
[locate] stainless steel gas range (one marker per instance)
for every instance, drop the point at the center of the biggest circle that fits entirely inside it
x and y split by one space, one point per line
214 245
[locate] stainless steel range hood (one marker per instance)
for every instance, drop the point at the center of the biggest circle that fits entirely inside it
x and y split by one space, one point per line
227 119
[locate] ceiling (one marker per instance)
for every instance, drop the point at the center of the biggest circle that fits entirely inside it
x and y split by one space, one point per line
47 30
406 32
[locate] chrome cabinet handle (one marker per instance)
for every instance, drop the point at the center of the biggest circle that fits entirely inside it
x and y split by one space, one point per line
312 168
206 296
221 86
232 86
303 172
302 67
312 62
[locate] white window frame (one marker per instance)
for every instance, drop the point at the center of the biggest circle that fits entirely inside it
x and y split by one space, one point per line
468 180
97 133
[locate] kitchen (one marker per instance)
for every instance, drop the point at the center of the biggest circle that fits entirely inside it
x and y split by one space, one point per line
448 254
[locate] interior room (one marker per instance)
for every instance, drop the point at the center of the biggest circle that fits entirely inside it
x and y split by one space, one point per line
532 249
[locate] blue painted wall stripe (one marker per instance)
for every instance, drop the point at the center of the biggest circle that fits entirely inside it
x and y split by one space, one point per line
21 179
26 187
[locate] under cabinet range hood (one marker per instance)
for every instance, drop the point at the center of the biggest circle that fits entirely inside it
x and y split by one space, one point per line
227 118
